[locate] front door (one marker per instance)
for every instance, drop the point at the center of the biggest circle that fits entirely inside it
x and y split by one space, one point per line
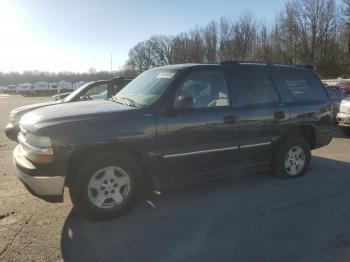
205 136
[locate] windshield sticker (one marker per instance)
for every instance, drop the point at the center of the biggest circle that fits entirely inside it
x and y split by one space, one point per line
165 75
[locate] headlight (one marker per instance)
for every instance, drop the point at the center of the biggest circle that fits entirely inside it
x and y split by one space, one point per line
36 148
38 141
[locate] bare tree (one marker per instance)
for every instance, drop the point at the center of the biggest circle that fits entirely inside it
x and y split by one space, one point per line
210 41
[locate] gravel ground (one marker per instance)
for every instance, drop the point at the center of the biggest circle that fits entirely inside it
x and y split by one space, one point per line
247 218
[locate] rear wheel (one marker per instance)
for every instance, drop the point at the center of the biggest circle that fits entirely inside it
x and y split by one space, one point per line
345 130
293 158
105 188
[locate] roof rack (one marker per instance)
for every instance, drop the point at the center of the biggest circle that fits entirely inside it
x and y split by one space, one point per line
228 62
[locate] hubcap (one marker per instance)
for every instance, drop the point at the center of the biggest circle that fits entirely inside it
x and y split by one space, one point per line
294 161
109 187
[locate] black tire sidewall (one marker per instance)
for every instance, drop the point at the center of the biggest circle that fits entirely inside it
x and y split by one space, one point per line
279 161
79 187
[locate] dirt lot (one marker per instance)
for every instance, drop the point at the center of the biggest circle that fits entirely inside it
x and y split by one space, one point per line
247 218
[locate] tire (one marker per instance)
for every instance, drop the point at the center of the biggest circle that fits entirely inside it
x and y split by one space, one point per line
345 130
116 179
292 158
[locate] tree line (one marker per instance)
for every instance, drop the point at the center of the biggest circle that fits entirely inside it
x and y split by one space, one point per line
313 32
37 76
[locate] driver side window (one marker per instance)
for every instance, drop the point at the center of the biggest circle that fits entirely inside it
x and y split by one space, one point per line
207 88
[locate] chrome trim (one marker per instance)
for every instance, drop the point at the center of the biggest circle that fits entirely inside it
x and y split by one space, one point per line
202 152
37 150
254 145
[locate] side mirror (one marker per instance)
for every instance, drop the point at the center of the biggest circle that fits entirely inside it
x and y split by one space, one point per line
183 102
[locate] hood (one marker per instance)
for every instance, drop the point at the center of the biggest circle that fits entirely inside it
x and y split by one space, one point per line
24 109
70 112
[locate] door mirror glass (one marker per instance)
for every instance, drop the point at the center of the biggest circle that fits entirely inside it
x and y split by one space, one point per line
183 102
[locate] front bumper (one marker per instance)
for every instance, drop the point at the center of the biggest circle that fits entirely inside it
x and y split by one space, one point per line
12 131
343 119
49 188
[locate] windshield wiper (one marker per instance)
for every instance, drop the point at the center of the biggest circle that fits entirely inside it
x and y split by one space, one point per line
119 101
130 102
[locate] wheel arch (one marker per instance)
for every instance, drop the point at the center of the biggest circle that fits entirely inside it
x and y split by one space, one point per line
88 152
305 130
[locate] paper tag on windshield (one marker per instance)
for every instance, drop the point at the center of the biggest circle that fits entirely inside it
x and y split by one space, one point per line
165 75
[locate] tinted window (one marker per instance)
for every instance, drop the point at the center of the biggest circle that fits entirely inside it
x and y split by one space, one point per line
302 84
257 87
208 88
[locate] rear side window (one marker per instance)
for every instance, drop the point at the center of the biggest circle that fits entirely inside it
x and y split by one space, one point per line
257 87
302 84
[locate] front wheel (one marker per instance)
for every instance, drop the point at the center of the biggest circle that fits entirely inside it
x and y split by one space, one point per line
105 188
345 130
293 158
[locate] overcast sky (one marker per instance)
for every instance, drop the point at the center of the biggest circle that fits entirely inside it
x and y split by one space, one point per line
68 35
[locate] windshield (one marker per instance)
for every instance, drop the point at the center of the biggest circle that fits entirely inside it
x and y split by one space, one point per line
147 88
75 92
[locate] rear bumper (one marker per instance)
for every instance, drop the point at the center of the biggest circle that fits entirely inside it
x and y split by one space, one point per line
11 131
49 188
343 119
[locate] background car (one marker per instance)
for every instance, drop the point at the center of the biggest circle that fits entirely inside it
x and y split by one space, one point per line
336 97
10 89
101 89
343 86
343 116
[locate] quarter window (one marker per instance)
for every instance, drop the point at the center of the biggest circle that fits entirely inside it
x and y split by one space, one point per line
302 84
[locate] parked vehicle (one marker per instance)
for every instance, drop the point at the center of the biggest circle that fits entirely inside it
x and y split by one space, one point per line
10 89
336 97
64 87
42 88
343 116
94 90
24 89
174 125
344 87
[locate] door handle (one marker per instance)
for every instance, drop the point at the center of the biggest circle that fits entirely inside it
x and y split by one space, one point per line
229 119
278 115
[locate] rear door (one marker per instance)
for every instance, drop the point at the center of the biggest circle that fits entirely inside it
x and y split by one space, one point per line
263 116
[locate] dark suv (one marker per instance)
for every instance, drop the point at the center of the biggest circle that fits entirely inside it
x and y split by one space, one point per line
174 125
